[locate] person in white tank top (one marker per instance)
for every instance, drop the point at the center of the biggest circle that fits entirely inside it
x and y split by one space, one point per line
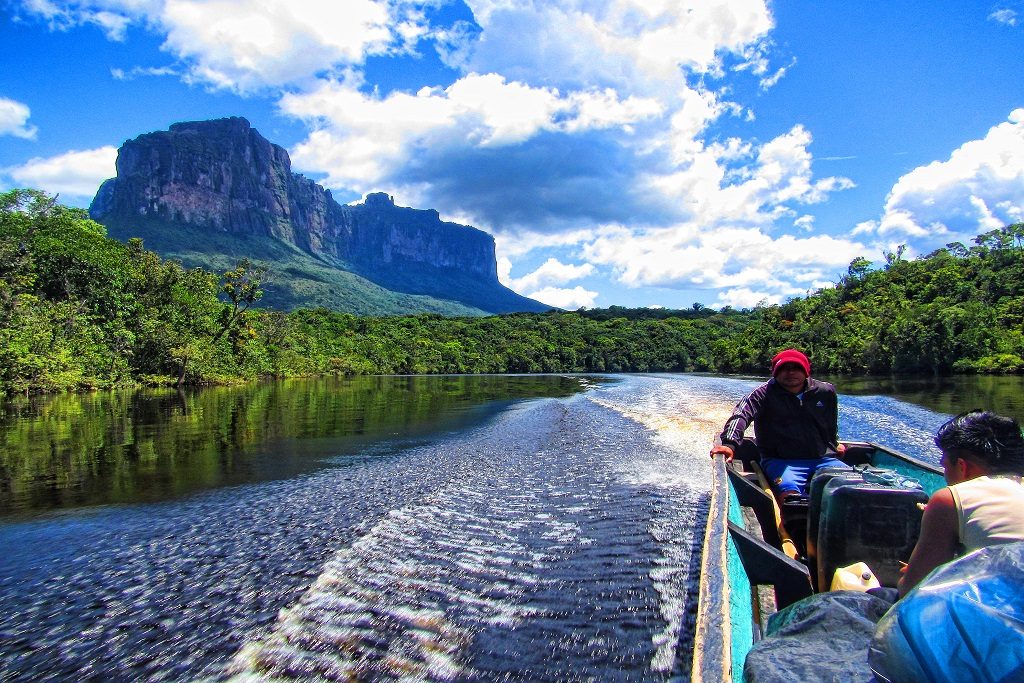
983 461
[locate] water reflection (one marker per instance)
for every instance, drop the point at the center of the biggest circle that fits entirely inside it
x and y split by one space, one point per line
949 395
150 445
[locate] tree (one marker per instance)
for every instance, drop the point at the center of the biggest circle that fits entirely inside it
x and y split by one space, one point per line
894 257
242 287
858 268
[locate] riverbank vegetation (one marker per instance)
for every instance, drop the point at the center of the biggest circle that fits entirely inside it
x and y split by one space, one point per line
80 310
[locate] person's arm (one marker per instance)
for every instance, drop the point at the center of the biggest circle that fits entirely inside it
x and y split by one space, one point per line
938 542
743 414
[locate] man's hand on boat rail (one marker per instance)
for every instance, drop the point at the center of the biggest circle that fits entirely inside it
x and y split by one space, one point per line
724 450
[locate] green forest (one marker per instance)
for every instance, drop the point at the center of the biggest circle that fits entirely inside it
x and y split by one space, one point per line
79 310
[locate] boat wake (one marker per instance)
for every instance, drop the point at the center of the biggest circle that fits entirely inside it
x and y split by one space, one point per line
563 553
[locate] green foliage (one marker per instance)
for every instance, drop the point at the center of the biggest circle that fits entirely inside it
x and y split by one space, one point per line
297 278
80 310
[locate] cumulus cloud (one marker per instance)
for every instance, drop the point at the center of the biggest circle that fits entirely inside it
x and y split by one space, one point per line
740 260
744 297
542 283
570 299
805 223
742 184
76 173
501 153
14 119
630 45
552 272
523 242
567 137
242 45
980 187
250 45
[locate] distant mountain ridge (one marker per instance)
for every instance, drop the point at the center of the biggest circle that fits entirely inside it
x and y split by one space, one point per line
208 192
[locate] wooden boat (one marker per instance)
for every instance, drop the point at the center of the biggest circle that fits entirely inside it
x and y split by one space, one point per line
755 560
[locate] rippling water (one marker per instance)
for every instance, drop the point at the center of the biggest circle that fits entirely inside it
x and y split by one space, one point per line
555 541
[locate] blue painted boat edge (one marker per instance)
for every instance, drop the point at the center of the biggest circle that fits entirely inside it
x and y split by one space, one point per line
741 594
929 475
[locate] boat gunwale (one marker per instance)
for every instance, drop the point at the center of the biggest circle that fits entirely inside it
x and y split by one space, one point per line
712 638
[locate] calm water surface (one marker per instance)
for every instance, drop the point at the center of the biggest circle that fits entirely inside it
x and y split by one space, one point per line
444 528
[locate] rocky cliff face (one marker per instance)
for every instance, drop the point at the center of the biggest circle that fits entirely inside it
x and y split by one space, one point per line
224 177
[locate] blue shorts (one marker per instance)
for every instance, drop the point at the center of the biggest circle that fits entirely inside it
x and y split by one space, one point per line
792 476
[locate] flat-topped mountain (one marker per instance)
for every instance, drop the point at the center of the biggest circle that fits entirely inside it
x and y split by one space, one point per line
210 192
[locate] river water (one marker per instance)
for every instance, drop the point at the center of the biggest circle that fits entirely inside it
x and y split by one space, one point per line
443 529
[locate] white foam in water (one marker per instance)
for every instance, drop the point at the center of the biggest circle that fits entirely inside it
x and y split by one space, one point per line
372 612
684 421
534 568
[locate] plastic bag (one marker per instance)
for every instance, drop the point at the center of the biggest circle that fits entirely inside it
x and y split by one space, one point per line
963 623
880 475
823 637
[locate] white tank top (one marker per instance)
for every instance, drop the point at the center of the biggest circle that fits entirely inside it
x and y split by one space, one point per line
990 511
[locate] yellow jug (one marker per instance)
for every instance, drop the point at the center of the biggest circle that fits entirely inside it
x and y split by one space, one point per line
856 577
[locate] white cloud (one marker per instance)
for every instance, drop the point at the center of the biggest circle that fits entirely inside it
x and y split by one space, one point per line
865 228
135 72
769 82
504 270
631 45
980 187
248 45
570 299
113 17
1005 16
76 173
744 297
805 223
721 186
523 242
741 259
551 272
113 24
14 119
362 139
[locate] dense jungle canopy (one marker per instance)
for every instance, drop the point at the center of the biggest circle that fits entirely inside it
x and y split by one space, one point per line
80 310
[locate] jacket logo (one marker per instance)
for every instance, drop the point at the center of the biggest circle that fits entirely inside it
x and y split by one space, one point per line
819 404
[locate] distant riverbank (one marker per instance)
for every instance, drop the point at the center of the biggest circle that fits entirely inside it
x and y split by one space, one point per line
80 310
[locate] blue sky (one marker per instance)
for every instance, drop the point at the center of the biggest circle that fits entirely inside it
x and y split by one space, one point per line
625 152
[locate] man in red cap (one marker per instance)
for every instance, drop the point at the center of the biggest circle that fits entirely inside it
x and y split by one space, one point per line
796 422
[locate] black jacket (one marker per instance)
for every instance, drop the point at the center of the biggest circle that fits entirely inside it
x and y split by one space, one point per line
785 425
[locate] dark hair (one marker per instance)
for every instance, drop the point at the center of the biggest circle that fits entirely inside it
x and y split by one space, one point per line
992 440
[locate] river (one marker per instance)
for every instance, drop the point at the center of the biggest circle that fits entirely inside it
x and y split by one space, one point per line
450 528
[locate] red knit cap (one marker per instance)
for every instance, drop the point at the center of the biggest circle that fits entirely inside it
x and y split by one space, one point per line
791 356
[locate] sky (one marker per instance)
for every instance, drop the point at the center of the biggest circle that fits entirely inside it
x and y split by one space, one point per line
622 152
